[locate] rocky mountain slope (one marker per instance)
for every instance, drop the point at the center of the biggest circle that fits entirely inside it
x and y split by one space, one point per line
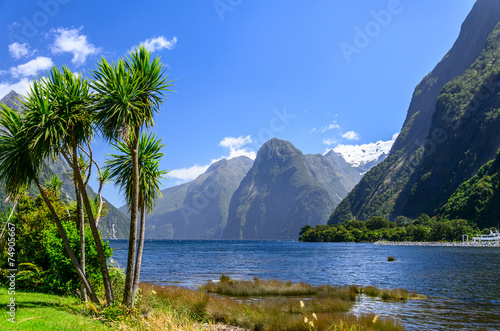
450 131
198 209
285 190
478 199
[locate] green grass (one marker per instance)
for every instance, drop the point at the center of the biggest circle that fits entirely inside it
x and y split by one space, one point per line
266 287
327 308
279 306
397 294
35 311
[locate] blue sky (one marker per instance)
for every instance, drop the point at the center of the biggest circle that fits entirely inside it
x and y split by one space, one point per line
317 73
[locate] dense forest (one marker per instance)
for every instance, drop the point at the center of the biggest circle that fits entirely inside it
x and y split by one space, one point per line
422 229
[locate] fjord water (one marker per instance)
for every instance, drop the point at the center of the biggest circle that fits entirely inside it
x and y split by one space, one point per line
462 282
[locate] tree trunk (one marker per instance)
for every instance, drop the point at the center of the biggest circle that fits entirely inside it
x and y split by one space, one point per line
70 251
95 232
81 227
132 242
80 222
8 220
140 248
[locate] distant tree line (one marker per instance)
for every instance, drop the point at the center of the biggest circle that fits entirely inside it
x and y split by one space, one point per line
422 229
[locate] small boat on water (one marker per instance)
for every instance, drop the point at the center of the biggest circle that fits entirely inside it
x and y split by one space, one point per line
492 237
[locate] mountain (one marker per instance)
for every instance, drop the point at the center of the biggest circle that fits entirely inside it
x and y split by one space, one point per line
450 131
115 225
366 156
11 100
477 199
348 175
198 209
285 190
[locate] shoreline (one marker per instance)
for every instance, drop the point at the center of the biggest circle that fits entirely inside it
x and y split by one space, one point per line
436 244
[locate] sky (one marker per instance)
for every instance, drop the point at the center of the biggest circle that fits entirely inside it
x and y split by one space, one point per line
321 74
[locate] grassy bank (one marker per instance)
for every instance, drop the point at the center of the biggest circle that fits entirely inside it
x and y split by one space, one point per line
248 305
35 311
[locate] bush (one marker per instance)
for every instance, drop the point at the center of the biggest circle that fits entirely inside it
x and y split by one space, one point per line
42 258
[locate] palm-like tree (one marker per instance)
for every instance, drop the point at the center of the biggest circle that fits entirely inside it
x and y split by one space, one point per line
128 94
19 168
61 129
54 185
150 176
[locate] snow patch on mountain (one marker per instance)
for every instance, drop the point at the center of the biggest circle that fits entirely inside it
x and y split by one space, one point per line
359 155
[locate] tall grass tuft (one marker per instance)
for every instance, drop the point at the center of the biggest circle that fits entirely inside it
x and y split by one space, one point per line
250 305
397 294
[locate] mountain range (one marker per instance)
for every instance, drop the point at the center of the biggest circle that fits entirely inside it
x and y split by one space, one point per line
272 197
285 190
450 131
198 209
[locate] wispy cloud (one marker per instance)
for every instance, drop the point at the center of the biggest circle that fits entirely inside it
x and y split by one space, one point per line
188 174
351 135
330 141
236 149
32 68
235 146
20 87
332 126
18 51
159 43
71 41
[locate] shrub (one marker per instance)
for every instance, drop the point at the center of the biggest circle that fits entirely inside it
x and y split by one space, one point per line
44 263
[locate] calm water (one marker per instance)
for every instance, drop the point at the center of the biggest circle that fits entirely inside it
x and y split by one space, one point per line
462 283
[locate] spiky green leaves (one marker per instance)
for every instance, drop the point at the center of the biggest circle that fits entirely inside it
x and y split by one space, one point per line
17 166
128 94
58 112
150 175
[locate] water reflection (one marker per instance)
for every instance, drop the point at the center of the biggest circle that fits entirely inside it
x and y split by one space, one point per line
434 313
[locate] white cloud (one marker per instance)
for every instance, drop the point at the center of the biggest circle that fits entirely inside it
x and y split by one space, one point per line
234 145
330 141
235 150
188 174
18 51
32 68
20 87
159 43
361 154
333 125
351 135
232 142
395 136
70 41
